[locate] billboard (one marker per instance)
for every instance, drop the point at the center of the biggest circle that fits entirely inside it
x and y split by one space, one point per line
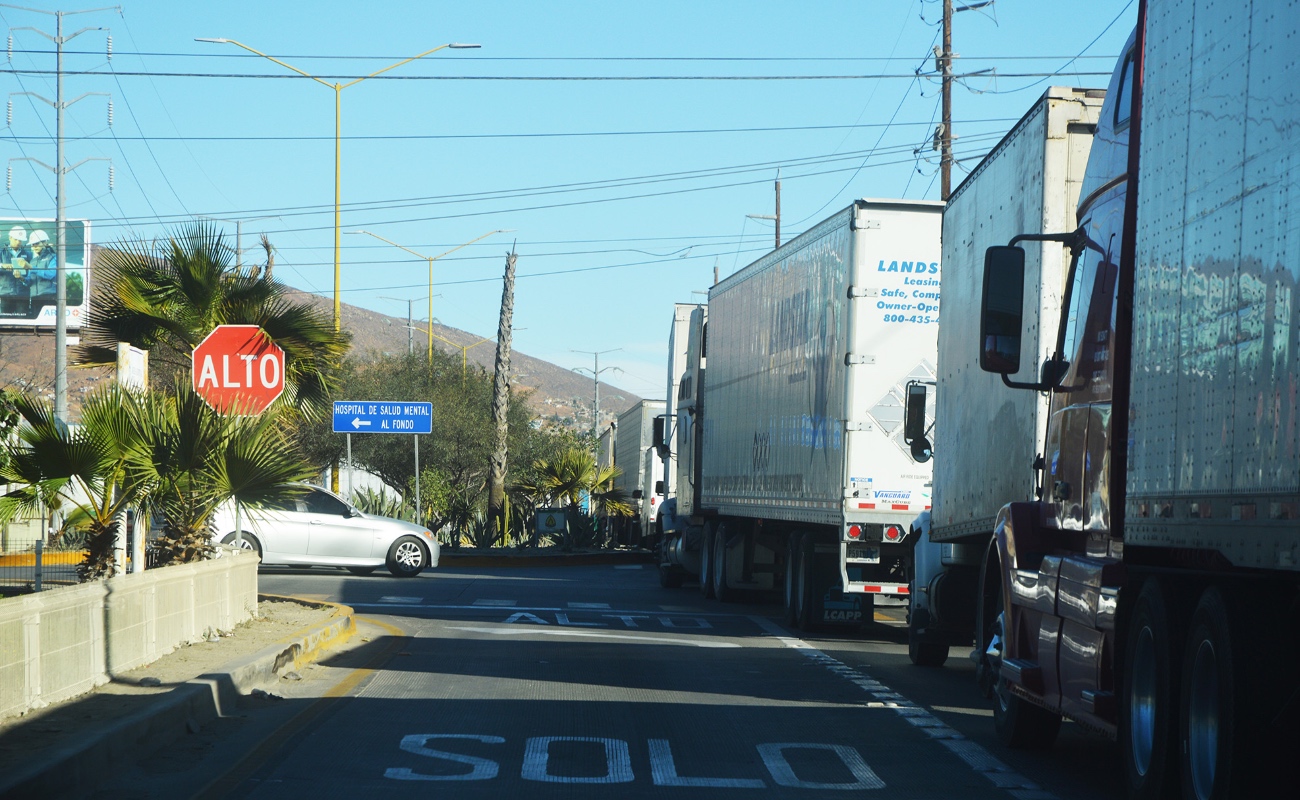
28 264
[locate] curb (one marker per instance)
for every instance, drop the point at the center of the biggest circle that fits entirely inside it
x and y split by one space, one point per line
69 770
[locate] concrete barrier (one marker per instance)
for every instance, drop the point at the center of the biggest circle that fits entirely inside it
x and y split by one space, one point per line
58 644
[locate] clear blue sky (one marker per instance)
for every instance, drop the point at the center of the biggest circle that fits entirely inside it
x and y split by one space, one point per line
624 194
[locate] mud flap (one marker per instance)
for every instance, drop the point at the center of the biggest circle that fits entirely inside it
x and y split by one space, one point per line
831 607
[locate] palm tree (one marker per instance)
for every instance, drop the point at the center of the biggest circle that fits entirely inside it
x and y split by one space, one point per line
93 468
572 474
200 459
167 296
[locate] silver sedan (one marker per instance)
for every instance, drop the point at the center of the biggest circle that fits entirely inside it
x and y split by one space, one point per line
321 529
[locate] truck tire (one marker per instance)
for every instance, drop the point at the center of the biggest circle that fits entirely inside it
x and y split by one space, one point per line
1213 723
1149 697
721 590
1019 723
804 619
791 580
669 577
706 560
921 652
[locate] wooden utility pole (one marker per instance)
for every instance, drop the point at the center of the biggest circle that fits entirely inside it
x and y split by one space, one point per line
501 407
944 134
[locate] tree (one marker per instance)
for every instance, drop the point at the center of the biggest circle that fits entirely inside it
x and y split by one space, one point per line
453 458
167 296
570 476
200 459
94 468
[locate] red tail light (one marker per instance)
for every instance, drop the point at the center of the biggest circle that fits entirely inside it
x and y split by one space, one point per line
893 533
855 532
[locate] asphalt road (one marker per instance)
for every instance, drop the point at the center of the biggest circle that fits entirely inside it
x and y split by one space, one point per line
595 682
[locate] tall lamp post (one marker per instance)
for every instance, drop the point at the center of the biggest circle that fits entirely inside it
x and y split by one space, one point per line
410 322
430 259
464 349
338 124
595 380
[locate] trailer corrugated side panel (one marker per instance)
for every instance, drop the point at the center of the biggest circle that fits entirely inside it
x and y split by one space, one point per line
893 330
1214 436
1048 150
774 390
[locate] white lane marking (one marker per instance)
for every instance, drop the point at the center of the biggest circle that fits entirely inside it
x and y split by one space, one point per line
664 772
975 756
395 599
774 759
641 639
537 756
481 769
495 603
588 605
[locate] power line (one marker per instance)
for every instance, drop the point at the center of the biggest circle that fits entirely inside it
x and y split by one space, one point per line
540 135
535 78
664 59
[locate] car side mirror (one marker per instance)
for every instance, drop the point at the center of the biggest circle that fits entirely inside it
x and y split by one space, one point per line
1001 310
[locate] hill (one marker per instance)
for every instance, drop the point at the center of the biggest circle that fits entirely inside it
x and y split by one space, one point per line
558 395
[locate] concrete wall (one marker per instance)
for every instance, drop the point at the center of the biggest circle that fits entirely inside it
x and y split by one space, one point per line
64 642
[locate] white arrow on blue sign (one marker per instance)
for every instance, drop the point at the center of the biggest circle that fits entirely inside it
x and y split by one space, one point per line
382 416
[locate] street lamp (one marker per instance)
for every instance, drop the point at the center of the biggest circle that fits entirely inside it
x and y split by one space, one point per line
595 380
431 259
410 322
338 123
464 349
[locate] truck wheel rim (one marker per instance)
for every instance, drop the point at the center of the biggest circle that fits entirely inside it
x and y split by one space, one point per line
1142 703
1203 720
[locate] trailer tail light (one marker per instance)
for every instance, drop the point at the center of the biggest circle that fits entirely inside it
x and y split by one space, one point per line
855 531
893 533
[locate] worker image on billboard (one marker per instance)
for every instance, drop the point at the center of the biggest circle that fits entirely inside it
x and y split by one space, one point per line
29 272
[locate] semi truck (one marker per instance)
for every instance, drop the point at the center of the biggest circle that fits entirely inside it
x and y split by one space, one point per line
792 470
1152 592
1029 182
639 467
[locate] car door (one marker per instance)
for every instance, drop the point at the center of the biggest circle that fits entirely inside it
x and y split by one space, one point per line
279 527
333 530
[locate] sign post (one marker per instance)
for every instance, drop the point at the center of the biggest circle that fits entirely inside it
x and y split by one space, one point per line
385 416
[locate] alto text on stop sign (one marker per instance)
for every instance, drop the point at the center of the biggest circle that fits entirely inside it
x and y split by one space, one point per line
238 368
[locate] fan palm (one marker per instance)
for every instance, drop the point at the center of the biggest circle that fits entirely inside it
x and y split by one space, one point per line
167 296
200 459
94 468
574 473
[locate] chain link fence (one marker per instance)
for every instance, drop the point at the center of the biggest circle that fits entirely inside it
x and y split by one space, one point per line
33 559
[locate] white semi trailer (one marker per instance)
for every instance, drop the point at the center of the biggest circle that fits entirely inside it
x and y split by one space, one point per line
1029 182
792 469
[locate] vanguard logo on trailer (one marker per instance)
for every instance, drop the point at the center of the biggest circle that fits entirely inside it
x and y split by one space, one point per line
28 271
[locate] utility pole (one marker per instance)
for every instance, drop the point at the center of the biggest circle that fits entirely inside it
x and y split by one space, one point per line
944 134
501 406
595 403
774 217
943 137
61 170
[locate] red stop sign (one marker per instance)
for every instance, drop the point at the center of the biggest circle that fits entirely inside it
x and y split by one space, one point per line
238 369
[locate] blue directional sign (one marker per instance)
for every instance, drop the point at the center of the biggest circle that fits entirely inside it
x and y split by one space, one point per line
382 416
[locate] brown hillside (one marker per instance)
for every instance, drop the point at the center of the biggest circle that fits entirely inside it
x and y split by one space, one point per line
558 394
